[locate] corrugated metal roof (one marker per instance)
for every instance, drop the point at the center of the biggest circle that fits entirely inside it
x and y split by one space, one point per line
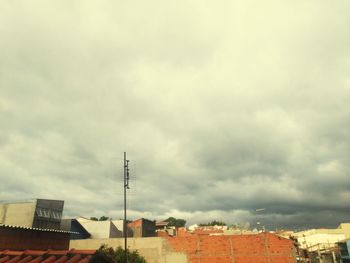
37 229
48 256
162 223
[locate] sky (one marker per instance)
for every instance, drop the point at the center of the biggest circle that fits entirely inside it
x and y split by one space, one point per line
223 107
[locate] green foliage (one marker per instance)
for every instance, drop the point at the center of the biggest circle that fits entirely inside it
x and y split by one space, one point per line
214 223
176 222
109 255
102 218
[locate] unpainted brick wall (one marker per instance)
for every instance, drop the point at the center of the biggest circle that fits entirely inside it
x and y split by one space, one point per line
261 248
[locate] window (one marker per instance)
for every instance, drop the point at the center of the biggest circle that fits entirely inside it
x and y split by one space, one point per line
42 212
56 215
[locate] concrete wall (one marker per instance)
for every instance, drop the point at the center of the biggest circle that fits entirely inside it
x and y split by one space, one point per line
114 231
154 249
119 224
346 229
97 229
18 214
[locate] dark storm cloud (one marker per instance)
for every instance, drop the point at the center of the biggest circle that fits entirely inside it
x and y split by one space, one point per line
223 108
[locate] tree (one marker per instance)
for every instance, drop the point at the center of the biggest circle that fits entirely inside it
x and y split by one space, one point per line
102 218
214 223
176 222
109 255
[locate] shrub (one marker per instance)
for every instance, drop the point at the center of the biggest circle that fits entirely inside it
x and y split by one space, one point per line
109 255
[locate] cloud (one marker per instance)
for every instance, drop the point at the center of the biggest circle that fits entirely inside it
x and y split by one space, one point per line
223 108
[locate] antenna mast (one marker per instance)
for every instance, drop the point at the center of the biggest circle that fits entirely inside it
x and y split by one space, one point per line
126 186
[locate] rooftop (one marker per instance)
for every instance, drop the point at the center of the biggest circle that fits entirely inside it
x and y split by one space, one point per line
47 256
37 229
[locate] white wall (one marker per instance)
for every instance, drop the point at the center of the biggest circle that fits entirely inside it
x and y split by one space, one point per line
18 214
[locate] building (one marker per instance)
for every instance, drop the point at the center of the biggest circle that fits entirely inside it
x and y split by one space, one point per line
143 228
21 244
21 238
37 213
162 225
344 247
319 239
73 225
101 229
346 229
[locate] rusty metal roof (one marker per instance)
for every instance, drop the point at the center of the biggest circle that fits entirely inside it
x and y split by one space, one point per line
47 256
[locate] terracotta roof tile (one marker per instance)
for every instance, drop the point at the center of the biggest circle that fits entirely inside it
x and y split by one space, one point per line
61 260
14 260
4 259
26 259
74 259
85 260
47 256
50 259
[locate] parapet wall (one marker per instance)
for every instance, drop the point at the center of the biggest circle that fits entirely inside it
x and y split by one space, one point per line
260 248
154 249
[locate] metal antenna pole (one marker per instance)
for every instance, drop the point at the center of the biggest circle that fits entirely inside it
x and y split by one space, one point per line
125 230
126 186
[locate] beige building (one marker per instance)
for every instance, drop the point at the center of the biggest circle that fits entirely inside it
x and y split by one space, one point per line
346 229
18 214
102 229
317 239
37 213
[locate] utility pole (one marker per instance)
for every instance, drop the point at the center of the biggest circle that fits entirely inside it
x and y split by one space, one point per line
126 186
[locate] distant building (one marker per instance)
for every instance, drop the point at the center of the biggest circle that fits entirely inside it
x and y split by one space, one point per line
193 227
162 225
143 228
101 229
316 239
84 228
73 225
37 213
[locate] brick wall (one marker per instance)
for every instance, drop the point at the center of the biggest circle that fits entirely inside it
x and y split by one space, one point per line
261 248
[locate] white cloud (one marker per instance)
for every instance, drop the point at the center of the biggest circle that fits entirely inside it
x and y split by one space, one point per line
222 107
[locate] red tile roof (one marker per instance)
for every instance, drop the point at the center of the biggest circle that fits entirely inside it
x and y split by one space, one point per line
48 256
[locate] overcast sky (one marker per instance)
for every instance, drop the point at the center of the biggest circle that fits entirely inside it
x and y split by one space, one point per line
224 107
